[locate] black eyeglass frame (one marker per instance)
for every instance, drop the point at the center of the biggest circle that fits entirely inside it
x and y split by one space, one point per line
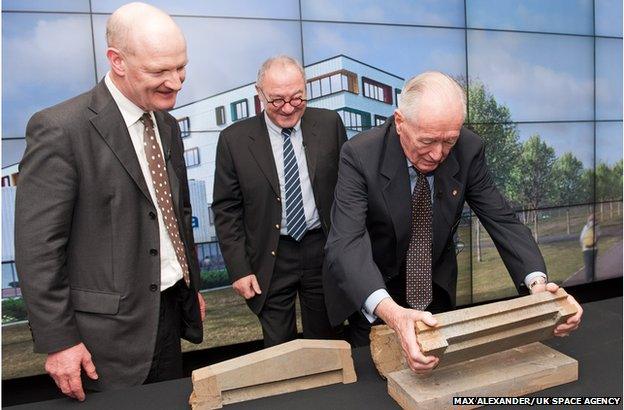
277 104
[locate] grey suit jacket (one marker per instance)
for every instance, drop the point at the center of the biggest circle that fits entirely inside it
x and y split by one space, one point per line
368 242
246 201
87 238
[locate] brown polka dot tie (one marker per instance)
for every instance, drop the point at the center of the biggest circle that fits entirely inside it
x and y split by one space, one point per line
160 180
418 262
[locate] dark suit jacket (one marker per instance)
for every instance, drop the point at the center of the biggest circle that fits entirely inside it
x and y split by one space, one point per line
87 239
246 201
370 231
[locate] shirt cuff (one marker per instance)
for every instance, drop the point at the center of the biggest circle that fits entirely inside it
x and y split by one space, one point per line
532 276
371 302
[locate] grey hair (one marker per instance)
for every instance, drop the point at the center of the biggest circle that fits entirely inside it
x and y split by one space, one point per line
283 59
434 82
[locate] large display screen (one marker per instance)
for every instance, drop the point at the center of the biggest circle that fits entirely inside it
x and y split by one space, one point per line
544 82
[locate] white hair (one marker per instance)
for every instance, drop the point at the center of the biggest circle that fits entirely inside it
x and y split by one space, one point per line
429 83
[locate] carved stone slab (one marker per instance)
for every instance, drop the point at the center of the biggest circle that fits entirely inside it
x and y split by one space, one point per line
477 331
297 365
511 373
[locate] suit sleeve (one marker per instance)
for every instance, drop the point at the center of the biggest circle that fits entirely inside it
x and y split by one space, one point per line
351 274
227 207
44 205
512 239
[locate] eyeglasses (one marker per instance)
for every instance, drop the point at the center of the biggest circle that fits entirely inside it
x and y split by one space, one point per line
280 102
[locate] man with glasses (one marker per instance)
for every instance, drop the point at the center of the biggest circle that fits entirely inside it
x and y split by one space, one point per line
274 186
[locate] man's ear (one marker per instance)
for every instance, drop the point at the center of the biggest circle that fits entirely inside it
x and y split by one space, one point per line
399 119
261 97
116 60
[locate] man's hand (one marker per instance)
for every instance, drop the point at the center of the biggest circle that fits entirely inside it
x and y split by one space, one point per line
402 321
65 366
202 306
247 286
573 322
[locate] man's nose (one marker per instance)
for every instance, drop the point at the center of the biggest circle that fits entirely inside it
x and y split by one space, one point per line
436 152
287 108
175 80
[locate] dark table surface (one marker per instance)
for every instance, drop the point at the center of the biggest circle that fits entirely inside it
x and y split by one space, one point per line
597 346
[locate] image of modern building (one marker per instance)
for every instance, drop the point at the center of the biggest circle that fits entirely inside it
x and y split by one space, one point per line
9 275
363 96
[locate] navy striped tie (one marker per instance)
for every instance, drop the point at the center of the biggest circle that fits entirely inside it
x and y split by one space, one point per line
295 217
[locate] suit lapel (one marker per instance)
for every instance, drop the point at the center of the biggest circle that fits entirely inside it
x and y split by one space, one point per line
311 143
447 194
260 148
110 125
165 139
396 187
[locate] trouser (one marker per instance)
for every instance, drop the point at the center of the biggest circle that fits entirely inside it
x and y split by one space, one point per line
167 360
359 326
589 257
297 271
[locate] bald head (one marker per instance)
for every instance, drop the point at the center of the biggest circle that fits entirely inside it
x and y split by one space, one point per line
139 25
147 55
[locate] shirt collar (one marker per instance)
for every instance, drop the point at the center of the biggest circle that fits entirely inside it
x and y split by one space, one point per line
130 112
277 129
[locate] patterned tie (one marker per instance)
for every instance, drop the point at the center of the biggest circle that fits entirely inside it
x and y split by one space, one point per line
295 217
160 180
418 264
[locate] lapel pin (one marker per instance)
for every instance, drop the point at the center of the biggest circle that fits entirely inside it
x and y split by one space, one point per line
454 192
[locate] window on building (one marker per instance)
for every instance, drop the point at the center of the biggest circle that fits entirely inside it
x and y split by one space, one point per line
191 157
355 120
376 90
220 115
239 110
185 127
379 119
210 258
331 83
10 283
6 181
397 92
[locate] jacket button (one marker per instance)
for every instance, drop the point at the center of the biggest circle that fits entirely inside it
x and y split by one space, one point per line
153 287
278 199
153 252
277 226
152 215
272 253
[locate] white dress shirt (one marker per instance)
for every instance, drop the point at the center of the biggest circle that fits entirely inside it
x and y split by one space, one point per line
277 146
170 269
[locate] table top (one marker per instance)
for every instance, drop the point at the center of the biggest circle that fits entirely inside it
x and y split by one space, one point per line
597 345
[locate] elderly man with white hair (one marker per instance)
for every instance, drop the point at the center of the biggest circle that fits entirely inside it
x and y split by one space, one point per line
104 244
401 190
